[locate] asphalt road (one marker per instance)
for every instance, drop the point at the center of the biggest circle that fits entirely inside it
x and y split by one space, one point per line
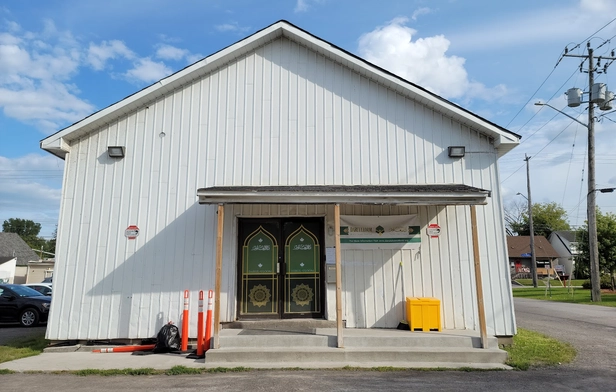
591 329
11 332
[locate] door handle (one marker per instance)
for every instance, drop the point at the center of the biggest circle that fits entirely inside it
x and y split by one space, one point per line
278 267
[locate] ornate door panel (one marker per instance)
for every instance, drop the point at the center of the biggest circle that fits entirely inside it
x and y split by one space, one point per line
279 271
302 278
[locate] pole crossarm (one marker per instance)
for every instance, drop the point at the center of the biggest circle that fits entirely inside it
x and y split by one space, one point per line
561 112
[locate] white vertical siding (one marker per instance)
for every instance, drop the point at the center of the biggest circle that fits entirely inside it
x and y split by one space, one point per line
281 115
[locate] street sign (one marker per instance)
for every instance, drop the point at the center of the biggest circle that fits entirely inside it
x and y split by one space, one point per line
131 232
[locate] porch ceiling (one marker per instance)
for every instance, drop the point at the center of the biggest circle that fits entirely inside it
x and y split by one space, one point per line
441 194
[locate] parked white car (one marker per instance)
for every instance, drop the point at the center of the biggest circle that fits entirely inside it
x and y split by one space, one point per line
43 288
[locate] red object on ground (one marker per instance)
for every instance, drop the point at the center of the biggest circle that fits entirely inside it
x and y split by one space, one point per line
185 323
208 322
200 326
125 349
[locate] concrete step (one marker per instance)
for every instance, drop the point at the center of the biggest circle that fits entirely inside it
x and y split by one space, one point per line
292 325
365 355
317 347
417 340
277 340
328 338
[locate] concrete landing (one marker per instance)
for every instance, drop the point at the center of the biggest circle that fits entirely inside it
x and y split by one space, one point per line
264 347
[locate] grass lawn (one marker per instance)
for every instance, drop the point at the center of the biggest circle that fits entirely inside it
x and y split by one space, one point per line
23 348
560 294
532 349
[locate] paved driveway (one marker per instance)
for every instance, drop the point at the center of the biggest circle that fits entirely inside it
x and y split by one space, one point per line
11 332
591 329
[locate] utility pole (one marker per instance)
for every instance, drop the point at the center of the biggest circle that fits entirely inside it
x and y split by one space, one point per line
591 199
593 245
533 258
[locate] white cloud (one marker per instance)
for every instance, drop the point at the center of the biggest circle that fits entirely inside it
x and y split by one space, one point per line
305 5
148 71
560 24
301 6
423 61
34 70
98 55
48 104
232 26
30 189
8 39
420 11
193 58
168 52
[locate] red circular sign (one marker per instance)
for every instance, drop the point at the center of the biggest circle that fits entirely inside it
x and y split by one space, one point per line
434 230
131 232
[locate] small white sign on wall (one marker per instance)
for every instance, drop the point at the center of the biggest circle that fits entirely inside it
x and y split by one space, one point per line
434 230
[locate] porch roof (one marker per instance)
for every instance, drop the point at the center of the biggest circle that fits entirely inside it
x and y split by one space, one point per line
437 194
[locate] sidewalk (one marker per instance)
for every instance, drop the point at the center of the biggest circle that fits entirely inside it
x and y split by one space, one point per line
73 361
77 360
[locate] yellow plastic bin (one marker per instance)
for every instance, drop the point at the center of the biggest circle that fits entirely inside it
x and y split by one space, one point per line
423 313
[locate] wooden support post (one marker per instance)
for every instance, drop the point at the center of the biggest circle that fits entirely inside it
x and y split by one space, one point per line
221 220
338 277
478 284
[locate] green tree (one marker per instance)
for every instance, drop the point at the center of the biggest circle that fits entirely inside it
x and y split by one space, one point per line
606 241
547 217
28 231
22 227
50 246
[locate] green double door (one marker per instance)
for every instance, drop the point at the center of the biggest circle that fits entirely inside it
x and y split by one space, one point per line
279 268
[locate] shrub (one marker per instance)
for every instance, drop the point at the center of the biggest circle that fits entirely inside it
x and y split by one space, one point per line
606 283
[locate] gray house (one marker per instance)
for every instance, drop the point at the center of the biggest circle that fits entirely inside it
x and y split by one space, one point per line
11 245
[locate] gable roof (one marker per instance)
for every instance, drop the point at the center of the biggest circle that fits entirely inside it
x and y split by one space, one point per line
568 235
519 245
59 143
11 245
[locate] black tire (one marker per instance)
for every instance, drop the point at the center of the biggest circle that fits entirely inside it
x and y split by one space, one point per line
29 318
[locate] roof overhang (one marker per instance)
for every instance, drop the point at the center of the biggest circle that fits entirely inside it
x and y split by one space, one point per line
442 194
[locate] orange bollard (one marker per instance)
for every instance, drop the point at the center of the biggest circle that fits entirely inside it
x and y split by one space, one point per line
185 323
208 322
200 326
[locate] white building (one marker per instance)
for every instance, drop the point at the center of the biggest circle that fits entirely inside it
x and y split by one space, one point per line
565 243
249 160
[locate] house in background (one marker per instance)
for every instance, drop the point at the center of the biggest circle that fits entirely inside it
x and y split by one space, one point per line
7 269
520 256
566 245
294 179
39 270
11 245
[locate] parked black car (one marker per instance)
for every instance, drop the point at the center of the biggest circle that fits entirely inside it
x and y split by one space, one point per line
23 304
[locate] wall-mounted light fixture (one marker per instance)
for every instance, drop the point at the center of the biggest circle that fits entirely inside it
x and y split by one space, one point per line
456 151
115 151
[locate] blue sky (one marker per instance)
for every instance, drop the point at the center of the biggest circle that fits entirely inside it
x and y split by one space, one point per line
62 60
